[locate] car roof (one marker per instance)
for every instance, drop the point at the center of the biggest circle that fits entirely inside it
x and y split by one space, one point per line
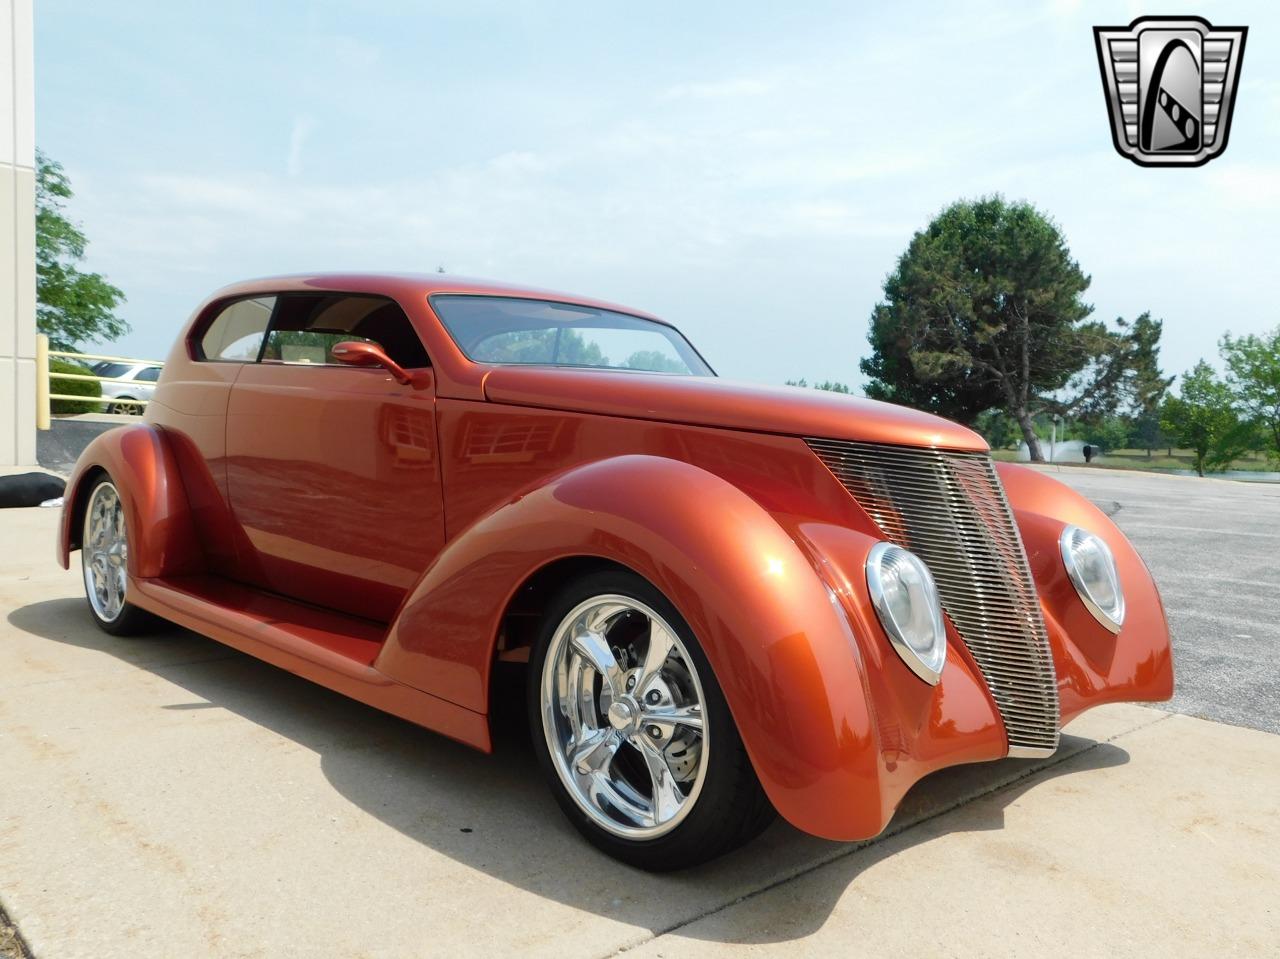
398 285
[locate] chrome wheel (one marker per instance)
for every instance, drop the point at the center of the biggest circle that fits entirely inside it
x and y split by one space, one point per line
104 553
622 712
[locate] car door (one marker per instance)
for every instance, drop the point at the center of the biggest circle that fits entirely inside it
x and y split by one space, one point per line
333 470
190 406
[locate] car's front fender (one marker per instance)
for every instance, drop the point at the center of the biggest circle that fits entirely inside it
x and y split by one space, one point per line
1094 665
780 644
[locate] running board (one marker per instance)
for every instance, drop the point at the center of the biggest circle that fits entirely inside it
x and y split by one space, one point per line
329 648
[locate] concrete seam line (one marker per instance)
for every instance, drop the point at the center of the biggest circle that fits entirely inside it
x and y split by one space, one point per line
888 834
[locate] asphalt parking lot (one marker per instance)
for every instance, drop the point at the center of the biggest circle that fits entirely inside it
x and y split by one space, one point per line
58 447
1213 547
170 797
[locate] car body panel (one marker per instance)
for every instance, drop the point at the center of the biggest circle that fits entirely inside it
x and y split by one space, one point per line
320 645
349 448
1093 664
711 401
708 490
157 516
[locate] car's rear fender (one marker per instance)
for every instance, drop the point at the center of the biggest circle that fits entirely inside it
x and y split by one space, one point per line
162 537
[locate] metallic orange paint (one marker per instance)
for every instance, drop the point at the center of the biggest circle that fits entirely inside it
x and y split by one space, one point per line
1094 666
708 401
157 516
357 353
334 483
373 535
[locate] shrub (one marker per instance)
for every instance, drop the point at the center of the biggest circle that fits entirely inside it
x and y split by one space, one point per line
77 387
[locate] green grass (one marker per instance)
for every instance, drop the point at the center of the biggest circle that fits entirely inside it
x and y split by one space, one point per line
1159 460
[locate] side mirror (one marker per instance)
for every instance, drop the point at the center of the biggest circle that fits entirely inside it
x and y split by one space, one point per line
358 353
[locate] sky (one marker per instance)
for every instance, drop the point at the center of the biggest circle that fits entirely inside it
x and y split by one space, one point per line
749 171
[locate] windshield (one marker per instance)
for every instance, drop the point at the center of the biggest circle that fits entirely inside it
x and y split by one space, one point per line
508 329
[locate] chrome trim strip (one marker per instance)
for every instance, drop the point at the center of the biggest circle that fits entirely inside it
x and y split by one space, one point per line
1028 752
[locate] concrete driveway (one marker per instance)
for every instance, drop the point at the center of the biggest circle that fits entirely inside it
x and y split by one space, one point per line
169 797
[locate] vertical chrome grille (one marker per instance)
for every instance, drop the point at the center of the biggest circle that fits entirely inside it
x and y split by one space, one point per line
949 508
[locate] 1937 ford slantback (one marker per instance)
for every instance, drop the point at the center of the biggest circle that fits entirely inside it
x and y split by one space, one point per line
732 600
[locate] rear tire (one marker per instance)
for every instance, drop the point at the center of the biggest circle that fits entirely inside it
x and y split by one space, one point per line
104 557
633 732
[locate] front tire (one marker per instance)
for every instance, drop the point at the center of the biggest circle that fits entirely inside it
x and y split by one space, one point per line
632 729
104 558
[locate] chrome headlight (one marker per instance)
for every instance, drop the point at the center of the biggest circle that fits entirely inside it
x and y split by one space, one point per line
1092 569
906 600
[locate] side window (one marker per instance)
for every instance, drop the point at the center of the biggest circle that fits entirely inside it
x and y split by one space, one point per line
236 333
306 327
149 375
110 370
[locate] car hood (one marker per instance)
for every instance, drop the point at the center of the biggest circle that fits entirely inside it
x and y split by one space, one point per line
711 401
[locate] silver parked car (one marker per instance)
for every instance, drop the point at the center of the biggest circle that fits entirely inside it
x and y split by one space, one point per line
139 383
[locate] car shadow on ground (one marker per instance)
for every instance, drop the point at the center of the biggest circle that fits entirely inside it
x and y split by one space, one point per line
495 814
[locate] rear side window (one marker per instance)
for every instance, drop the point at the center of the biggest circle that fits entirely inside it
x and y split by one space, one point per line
149 375
236 334
111 370
306 327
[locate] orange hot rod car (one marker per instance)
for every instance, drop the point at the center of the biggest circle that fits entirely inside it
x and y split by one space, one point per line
731 599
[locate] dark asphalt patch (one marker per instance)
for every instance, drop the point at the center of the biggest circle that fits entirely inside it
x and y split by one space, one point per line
58 447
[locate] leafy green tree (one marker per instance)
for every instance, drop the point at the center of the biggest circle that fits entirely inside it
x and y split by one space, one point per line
831 386
1145 432
654 361
997 428
984 310
545 346
72 306
572 348
1144 383
1203 419
1108 432
1253 365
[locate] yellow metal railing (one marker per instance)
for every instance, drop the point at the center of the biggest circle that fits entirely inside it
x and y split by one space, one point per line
44 397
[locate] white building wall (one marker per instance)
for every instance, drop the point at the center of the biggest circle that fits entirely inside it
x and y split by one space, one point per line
17 236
